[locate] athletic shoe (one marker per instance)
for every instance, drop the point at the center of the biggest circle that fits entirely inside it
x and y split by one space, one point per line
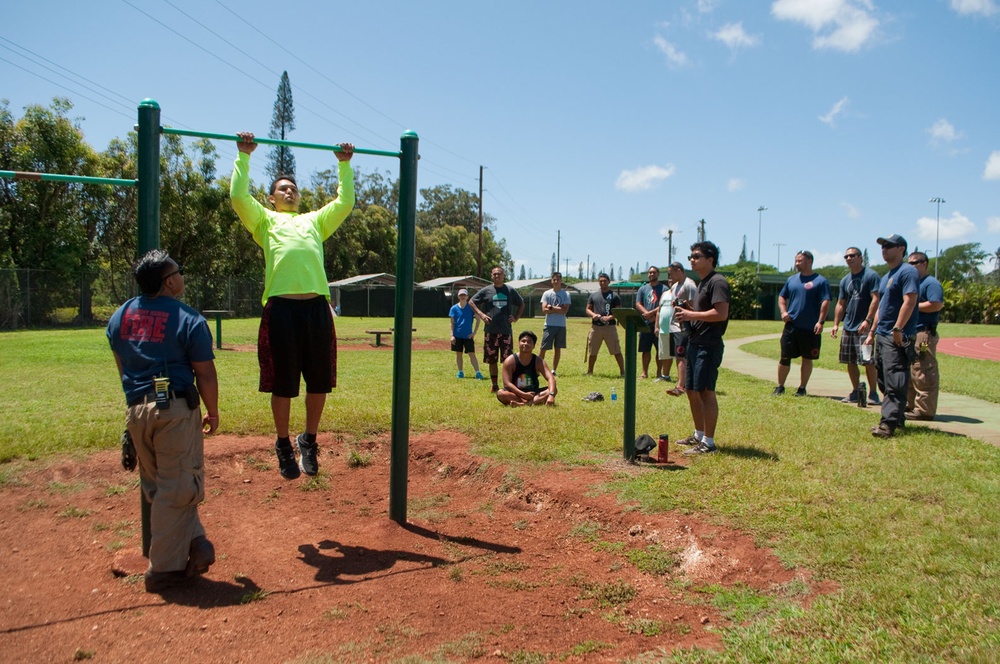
778 391
850 398
307 454
690 440
873 399
594 396
460 374
702 448
801 392
286 461
553 373
920 416
479 375
157 582
659 378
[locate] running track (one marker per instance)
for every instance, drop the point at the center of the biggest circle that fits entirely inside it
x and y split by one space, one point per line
979 348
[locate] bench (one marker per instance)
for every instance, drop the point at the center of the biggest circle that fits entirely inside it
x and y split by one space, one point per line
378 335
218 313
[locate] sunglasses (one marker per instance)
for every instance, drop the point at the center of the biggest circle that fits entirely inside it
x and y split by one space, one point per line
179 270
694 257
850 256
915 262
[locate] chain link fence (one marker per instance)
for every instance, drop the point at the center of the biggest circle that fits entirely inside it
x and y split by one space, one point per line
42 298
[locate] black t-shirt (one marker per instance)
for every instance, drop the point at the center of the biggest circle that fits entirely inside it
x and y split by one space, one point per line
712 290
602 304
498 304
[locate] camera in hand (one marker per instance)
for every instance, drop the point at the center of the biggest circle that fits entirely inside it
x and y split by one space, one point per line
681 303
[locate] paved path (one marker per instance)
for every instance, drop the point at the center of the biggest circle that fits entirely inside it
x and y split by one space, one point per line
959 414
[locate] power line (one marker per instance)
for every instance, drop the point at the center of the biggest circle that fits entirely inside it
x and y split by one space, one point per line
59 85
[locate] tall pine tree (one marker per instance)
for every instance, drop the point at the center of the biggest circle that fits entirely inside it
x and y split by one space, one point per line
280 160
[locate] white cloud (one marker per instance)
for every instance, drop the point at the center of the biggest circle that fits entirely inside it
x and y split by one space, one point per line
993 224
734 36
992 170
835 111
943 131
706 6
981 7
955 227
643 178
825 258
735 184
842 25
852 212
674 56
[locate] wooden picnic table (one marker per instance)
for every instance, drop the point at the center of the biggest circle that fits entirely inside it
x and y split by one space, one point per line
378 334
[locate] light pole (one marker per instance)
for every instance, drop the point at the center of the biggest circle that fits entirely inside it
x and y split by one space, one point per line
779 245
760 213
937 232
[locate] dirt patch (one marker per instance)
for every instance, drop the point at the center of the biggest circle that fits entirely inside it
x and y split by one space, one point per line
492 562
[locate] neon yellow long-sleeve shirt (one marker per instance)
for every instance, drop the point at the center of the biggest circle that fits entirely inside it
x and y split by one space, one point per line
292 243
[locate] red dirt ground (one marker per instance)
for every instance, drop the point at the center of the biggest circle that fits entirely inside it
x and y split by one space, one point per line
493 562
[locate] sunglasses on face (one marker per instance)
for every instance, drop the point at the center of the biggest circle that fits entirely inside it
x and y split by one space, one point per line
916 262
850 256
179 270
696 257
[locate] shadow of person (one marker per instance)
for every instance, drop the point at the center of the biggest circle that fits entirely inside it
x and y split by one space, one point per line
206 593
359 561
745 452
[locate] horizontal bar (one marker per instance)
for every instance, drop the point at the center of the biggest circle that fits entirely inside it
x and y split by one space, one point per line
273 141
56 177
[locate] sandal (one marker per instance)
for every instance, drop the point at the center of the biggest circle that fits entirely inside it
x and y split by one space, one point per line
675 391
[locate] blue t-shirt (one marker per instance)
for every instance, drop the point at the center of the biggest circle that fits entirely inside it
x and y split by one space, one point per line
462 317
857 289
897 282
805 297
931 290
156 336
556 299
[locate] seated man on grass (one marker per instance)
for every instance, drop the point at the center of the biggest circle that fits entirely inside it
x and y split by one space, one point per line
521 373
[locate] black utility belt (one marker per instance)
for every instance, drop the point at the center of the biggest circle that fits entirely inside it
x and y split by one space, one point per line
601 323
189 395
930 329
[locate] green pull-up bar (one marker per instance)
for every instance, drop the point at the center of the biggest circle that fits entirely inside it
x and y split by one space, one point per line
274 141
58 177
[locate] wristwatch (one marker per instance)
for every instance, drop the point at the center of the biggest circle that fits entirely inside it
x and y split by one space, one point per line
896 329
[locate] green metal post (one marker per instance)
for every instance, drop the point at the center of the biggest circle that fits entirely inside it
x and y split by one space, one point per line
149 229
628 444
405 253
149 176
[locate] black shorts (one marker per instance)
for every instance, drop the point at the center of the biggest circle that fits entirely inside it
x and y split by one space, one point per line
297 340
702 371
799 343
463 345
647 342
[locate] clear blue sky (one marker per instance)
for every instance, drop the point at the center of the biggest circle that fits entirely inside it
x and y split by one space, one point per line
608 122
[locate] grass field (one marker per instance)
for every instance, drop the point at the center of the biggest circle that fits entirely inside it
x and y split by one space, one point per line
907 528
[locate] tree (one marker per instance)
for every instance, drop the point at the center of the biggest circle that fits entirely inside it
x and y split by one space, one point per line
579 269
960 263
524 274
619 273
744 289
743 252
280 160
864 259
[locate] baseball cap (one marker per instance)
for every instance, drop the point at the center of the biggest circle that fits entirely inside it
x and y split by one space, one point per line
463 292
894 240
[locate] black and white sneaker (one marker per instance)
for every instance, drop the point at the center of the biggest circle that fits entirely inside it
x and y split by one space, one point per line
778 391
307 455
702 448
286 461
801 392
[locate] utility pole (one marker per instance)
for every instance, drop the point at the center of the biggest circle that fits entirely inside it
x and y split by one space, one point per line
558 246
479 257
779 245
701 230
567 266
937 233
670 245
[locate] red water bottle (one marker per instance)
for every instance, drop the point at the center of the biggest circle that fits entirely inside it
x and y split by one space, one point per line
661 449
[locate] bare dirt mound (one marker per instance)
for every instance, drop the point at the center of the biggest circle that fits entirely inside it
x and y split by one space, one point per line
492 563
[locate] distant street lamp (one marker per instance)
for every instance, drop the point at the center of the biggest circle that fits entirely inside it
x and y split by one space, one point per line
937 233
760 212
779 245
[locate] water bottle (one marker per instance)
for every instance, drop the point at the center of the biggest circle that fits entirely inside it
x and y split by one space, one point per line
662 449
614 396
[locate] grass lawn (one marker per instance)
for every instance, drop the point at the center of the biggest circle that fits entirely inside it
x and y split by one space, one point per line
907 527
959 375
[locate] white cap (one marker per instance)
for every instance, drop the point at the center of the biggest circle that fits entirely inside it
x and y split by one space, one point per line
462 291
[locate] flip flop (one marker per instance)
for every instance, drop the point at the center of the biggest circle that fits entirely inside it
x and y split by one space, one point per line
675 391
